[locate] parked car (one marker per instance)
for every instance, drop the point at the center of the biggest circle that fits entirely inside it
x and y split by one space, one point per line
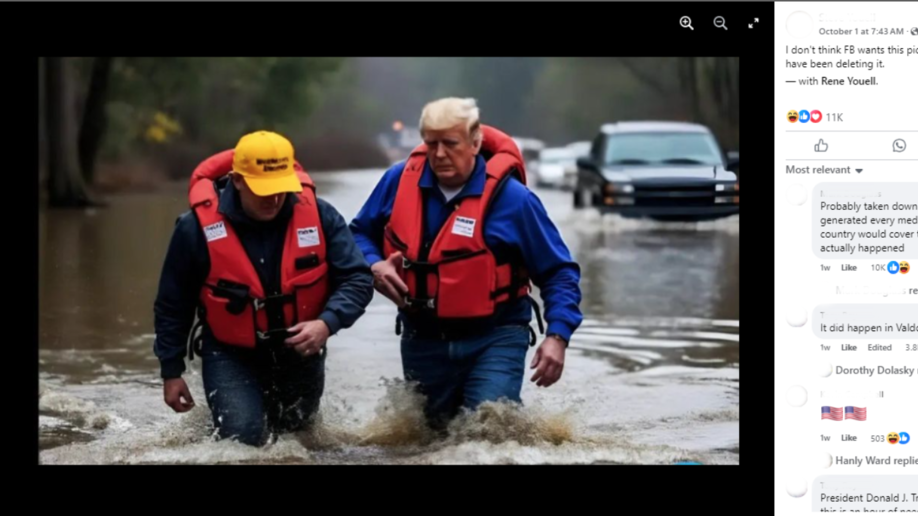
530 149
579 149
660 170
733 158
553 162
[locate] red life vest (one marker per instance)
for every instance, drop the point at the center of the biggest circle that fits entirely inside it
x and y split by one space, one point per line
463 278
232 297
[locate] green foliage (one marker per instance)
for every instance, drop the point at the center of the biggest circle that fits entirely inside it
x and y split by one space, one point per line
209 101
198 105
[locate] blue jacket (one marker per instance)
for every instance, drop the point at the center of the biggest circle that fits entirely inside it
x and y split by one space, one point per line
187 265
517 225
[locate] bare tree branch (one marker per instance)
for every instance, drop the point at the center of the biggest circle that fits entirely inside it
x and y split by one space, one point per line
645 77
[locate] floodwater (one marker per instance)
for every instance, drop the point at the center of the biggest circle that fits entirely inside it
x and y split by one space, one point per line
651 377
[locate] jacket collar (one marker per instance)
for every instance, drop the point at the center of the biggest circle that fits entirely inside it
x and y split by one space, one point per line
474 186
231 207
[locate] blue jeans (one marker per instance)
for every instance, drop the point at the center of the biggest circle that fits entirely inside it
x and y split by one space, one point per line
255 393
453 374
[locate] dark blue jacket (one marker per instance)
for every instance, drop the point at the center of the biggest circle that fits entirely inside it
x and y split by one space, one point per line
187 265
517 226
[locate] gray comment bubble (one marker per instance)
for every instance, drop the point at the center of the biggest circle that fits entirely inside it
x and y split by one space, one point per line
881 493
879 321
865 221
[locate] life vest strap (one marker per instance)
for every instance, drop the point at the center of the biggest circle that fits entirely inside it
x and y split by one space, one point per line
270 336
421 303
196 341
515 290
538 314
237 293
422 267
418 266
280 300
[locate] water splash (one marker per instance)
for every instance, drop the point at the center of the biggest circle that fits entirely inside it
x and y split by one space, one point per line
498 422
496 433
76 411
398 418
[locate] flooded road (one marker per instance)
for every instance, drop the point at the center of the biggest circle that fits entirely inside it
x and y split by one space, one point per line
652 376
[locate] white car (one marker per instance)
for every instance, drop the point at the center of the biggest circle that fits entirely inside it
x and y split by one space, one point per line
553 165
530 149
580 150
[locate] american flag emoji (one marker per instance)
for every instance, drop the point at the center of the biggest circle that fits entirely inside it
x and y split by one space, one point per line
833 413
856 413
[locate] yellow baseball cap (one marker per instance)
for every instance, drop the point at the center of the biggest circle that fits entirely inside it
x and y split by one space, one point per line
265 160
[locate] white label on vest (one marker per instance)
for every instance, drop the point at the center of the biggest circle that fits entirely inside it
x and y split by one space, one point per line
464 226
215 231
308 237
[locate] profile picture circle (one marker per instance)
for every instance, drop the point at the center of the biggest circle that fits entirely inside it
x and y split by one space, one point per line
796 195
796 396
799 24
796 317
796 487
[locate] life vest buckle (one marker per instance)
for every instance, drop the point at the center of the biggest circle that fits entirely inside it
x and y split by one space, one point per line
418 266
265 337
415 303
279 299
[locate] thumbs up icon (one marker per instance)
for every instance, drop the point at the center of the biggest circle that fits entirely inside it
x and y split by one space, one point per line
822 147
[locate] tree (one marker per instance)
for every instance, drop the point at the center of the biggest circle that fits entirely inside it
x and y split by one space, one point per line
94 120
688 77
706 87
502 86
718 80
573 97
66 185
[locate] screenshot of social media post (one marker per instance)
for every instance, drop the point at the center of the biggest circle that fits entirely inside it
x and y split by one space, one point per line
525 258
846 240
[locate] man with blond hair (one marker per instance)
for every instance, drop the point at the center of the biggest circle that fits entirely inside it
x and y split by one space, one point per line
454 237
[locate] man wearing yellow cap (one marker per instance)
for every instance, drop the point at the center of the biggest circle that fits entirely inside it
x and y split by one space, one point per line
271 272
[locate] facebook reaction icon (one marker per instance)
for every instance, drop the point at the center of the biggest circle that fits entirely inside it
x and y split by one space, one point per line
892 267
804 116
904 438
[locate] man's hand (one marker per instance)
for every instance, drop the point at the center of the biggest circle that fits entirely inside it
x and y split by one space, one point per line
310 337
177 395
549 361
387 281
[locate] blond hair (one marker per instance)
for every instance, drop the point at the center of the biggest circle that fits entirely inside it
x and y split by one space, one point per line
449 112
